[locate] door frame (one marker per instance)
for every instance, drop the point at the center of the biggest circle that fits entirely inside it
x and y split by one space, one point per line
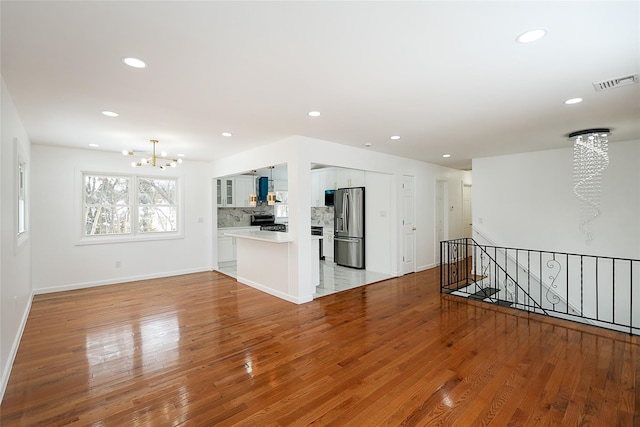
443 207
412 269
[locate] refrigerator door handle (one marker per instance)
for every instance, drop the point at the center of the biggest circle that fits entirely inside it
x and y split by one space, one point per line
346 239
346 209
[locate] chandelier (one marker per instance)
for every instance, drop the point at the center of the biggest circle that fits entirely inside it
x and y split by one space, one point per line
253 197
590 159
271 195
161 161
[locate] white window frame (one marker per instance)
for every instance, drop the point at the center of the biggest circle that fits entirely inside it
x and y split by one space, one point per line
134 235
280 204
21 195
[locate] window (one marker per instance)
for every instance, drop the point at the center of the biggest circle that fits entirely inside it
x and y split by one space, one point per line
282 204
107 206
22 208
129 206
157 209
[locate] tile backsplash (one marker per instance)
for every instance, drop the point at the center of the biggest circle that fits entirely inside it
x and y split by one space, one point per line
322 216
241 217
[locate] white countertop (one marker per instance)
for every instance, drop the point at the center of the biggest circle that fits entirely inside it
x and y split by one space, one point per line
262 235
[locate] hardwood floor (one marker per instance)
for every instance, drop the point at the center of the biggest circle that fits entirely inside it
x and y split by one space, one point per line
201 349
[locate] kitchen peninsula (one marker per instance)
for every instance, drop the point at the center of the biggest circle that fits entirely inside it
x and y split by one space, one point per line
263 261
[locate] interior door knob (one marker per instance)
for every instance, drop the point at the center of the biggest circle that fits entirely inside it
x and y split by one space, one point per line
414 229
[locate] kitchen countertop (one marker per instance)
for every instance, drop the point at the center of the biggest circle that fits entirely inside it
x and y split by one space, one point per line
262 235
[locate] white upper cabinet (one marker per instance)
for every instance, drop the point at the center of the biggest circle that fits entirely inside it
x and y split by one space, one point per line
244 186
234 192
225 189
332 179
321 180
350 178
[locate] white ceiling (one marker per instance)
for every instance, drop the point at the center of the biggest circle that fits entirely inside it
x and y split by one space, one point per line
448 77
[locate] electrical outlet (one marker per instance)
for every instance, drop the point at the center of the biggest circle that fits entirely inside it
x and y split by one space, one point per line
118 264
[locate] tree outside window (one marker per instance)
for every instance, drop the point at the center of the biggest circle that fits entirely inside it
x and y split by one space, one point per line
109 202
157 208
107 205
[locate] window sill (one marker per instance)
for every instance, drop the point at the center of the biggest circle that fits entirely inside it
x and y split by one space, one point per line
103 240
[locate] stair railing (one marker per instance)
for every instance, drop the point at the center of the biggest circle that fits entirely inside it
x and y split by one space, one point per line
584 288
479 275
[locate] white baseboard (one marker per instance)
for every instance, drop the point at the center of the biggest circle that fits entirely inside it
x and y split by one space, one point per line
427 267
83 285
14 348
275 293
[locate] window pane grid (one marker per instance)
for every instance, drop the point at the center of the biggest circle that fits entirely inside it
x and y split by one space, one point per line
108 204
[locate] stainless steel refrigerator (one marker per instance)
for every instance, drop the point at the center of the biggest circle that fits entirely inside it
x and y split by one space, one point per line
348 226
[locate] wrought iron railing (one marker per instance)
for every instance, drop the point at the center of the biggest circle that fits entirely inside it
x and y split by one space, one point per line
589 289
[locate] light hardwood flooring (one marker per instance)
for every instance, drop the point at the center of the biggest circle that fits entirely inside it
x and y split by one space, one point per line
202 349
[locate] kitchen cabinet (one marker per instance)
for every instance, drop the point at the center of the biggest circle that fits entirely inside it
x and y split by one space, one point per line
327 244
227 245
234 192
244 186
321 180
280 185
349 178
315 189
225 189
332 179
226 249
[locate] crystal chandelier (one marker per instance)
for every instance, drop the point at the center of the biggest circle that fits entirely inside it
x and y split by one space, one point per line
161 161
590 159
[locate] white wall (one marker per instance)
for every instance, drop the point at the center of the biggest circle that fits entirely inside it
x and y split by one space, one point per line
15 259
527 201
59 263
378 211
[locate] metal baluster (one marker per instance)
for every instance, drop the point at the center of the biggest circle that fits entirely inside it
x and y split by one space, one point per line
630 297
567 283
581 285
540 278
597 290
528 278
613 281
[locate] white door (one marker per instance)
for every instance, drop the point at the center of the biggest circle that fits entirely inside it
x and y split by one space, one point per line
440 216
408 227
466 211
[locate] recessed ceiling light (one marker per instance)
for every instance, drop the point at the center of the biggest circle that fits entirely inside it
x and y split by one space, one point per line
227 134
180 155
531 36
110 113
94 145
314 113
394 137
573 101
134 62
446 156
367 144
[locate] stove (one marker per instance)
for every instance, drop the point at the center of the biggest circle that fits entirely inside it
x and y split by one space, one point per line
274 227
267 223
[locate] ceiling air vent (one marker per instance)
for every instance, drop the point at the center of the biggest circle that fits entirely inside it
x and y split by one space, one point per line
612 83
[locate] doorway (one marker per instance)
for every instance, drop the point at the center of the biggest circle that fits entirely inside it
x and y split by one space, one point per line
408 226
467 225
441 223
